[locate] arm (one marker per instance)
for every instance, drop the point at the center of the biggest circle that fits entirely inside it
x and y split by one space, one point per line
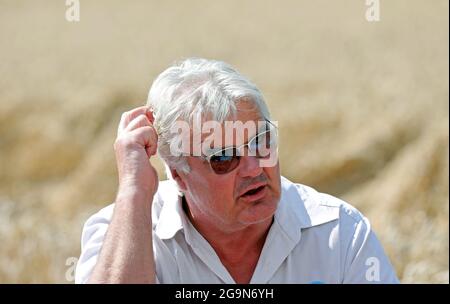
126 255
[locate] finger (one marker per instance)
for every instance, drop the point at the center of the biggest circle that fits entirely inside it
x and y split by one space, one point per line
140 121
128 116
149 114
146 137
150 151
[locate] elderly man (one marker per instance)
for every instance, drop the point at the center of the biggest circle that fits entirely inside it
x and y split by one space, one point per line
225 215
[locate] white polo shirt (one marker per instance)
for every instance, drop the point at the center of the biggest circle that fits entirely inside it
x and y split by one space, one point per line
314 238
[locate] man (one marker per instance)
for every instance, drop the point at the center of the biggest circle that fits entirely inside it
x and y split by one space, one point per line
225 215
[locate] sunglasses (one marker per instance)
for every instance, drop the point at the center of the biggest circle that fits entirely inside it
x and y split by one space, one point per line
260 146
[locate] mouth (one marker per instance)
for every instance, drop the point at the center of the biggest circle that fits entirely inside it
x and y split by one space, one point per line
255 193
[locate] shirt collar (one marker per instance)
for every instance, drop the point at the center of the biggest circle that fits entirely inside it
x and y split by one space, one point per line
170 218
301 207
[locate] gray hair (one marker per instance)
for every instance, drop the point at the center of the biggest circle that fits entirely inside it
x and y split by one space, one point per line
192 89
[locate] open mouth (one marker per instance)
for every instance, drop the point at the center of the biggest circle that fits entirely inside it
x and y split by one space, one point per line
254 191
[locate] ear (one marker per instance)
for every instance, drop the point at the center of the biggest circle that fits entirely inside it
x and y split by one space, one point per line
178 178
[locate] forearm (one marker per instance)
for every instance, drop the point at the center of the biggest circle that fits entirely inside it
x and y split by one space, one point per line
127 251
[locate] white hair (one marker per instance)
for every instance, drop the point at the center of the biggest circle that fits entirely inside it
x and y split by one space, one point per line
192 89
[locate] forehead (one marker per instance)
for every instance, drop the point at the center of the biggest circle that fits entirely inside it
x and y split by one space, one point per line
206 136
247 111
236 129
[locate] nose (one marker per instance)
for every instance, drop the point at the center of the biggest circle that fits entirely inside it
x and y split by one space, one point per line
249 166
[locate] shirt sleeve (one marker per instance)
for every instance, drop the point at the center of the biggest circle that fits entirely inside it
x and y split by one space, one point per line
366 261
92 237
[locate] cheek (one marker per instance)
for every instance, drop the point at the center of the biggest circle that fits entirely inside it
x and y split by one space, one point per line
223 188
273 173
210 187
212 190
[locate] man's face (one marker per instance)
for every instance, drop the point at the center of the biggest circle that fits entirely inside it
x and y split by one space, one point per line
222 199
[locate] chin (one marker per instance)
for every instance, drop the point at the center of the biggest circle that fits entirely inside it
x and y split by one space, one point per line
259 211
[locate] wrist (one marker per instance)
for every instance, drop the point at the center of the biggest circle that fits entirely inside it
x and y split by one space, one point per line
135 196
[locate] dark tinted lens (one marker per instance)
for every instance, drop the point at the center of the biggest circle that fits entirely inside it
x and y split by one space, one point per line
224 163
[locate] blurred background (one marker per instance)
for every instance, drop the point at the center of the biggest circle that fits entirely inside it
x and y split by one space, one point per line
362 110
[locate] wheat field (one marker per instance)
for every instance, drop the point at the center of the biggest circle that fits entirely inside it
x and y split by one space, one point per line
362 109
